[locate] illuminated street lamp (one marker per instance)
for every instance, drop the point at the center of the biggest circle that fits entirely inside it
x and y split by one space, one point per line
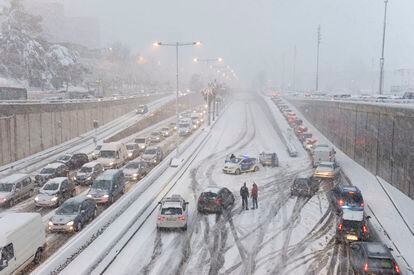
177 45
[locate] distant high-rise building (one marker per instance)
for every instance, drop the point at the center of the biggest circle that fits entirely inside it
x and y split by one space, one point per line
59 28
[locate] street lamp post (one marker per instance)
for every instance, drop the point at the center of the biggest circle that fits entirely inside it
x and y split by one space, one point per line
207 61
177 45
381 84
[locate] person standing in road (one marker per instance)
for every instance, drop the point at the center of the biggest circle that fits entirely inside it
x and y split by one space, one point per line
244 193
254 192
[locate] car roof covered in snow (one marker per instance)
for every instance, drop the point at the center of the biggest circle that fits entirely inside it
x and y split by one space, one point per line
10 222
57 180
91 164
352 215
212 189
13 178
377 249
172 204
54 165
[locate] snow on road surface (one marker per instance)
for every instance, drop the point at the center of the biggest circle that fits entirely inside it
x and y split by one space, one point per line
284 235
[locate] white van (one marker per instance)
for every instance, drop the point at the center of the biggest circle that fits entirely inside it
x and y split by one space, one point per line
113 155
22 241
322 153
185 126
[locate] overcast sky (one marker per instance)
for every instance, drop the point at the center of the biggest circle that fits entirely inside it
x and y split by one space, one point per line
254 35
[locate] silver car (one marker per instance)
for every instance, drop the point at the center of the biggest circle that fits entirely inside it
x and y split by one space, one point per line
14 188
55 192
136 170
172 213
152 155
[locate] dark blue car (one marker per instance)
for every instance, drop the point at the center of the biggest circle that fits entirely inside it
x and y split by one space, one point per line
346 197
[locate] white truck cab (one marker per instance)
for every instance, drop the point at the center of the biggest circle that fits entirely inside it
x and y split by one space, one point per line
113 155
22 241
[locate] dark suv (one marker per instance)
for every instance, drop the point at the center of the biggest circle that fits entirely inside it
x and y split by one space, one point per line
51 171
304 186
372 258
74 161
346 197
352 226
215 199
107 187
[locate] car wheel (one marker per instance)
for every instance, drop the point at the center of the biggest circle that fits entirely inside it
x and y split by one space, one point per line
78 227
73 193
237 172
111 200
11 203
185 227
256 168
38 256
95 213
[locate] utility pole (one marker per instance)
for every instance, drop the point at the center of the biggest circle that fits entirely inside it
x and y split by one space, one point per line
381 84
319 38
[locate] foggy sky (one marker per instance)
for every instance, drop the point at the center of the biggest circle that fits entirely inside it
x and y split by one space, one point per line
255 35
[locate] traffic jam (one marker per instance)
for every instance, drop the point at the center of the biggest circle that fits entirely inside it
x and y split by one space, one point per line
67 194
366 254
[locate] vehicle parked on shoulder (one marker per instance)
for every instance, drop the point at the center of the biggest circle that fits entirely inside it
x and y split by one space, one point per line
240 165
352 226
372 258
51 171
72 215
73 161
14 188
346 197
107 187
156 137
136 170
142 142
153 155
142 109
22 241
269 159
113 155
132 150
88 172
327 170
172 213
55 192
304 186
215 199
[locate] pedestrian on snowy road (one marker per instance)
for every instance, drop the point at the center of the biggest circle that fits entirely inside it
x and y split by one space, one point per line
244 193
254 192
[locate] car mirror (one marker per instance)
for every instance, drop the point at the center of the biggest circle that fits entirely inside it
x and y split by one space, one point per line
390 249
368 217
159 202
186 203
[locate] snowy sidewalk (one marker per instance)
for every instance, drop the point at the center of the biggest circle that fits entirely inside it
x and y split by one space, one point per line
396 232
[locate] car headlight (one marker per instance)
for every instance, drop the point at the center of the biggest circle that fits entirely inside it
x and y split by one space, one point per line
111 163
70 223
74 178
142 146
106 196
36 199
89 196
154 160
135 175
50 223
89 178
4 199
129 154
54 198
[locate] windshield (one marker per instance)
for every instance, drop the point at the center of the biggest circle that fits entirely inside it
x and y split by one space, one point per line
133 165
47 171
209 195
235 160
131 146
64 158
51 186
98 147
301 182
171 211
6 187
140 140
380 263
102 184
150 152
184 125
323 165
354 198
68 208
108 154
86 170
165 129
155 134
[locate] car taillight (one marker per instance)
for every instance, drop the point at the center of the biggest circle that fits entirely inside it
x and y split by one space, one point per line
340 227
397 268
181 218
366 267
341 202
364 229
161 218
362 204
218 201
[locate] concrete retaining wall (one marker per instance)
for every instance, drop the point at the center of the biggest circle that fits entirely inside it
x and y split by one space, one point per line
380 138
26 129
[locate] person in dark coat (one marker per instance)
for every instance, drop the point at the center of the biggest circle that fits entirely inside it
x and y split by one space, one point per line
254 193
232 157
244 193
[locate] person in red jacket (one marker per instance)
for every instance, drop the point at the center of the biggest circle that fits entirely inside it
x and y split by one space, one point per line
254 192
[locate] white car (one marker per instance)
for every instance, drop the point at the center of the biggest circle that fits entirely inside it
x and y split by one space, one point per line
240 165
172 213
327 169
